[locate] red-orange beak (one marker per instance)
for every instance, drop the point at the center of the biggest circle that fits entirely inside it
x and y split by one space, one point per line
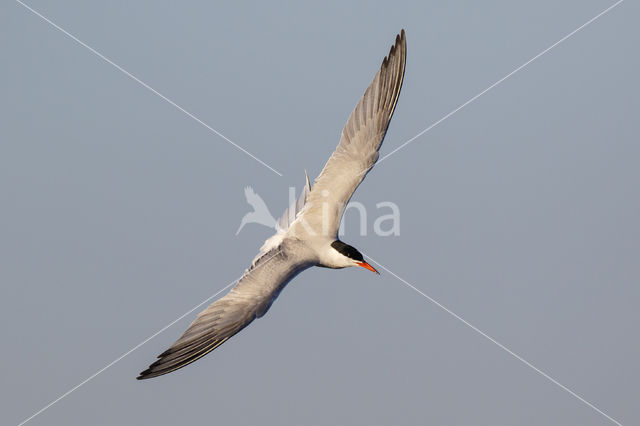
365 265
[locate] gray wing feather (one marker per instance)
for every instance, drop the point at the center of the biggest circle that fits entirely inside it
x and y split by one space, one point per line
290 214
249 299
357 151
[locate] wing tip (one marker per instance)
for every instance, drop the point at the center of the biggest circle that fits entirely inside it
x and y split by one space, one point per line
157 369
146 374
152 370
160 367
399 45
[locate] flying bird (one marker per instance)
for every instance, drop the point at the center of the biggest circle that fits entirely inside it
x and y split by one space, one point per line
307 233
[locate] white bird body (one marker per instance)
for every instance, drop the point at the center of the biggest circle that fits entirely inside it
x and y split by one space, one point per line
307 233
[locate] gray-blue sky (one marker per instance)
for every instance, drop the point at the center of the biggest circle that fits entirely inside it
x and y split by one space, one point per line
520 212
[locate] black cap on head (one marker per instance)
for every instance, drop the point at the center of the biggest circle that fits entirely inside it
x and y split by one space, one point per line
347 250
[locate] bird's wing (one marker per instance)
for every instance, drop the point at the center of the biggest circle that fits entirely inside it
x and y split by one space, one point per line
249 299
357 151
292 212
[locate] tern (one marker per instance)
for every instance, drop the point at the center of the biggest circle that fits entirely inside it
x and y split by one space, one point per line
307 233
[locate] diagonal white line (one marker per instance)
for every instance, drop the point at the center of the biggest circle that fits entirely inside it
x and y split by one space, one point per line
492 340
94 375
145 85
500 81
112 363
